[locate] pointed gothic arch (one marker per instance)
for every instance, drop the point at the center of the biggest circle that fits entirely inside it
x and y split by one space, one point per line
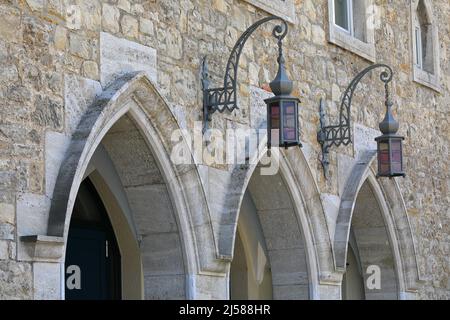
394 215
135 97
307 217
425 44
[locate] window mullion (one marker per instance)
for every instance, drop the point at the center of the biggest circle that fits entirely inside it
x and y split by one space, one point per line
350 17
418 36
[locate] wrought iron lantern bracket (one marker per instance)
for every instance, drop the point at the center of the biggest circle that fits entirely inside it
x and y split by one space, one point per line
225 98
340 134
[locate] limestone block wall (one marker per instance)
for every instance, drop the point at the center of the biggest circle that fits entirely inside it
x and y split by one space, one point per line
57 54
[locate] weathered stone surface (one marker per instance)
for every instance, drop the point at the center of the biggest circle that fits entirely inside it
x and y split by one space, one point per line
15 280
36 40
165 287
18 93
90 70
48 112
258 108
92 15
335 92
286 265
146 26
130 27
43 98
220 5
180 115
365 138
161 254
265 199
73 17
79 46
41 248
46 281
10 26
151 206
210 287
7 213
32 214
124 144
110 18
174 44
281 8
35 5
291 292
4 250
124 5
9 73
119 56
331 207
60 38
79 94
184 85
6 231
56 146
318 35
281 219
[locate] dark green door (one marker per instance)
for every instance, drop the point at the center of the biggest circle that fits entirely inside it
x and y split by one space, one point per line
92 267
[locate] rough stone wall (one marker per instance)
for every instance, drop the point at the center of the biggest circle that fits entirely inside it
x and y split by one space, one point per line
41 41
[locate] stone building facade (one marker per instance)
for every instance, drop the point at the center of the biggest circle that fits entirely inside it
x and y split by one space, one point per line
92 92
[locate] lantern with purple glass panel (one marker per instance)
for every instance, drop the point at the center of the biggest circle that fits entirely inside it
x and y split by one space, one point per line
389 147
282 112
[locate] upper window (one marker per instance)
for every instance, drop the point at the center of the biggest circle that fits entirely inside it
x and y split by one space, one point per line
343 14
425 44
350 16
352 26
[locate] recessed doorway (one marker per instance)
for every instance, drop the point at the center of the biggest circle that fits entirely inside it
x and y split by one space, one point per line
93 266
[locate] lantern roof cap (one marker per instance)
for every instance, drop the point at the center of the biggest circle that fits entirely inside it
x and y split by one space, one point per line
389 125
281 85
389 136
282 97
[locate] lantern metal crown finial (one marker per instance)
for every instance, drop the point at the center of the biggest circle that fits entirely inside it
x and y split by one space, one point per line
281 85
389 125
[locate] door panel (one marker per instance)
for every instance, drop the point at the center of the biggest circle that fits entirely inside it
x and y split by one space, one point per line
93 263
86 250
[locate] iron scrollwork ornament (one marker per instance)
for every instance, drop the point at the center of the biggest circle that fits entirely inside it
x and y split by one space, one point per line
341 134
225 98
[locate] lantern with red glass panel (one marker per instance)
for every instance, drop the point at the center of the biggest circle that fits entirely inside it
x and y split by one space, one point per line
282 112
389 147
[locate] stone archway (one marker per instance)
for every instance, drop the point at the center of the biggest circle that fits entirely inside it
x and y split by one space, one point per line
132 276
151 211
389 221
135 97
286 252
303 216
372 247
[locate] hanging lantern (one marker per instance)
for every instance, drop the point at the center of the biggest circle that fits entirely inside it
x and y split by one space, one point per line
282 111
389 147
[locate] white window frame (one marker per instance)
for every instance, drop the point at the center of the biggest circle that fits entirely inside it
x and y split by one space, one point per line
350 18
345 39
418 45
421 76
